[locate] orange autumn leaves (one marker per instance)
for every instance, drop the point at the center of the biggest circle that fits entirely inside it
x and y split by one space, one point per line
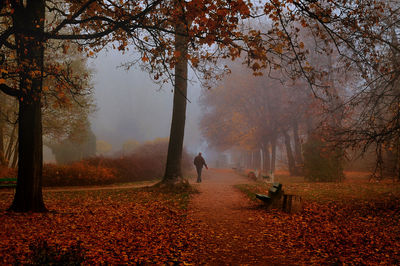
342 223
150 226
114 227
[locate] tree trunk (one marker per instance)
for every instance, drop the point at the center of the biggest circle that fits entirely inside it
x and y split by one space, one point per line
15 156
173 169
257 159
297 144
2 151
267 159
289 153
10 145
248 160
273 154
27 20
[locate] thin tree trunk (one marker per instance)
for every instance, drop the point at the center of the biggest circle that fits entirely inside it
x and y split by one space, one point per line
10 144
252 160
297 143
29 19
173 169
267 159
289 153
258 159
248 161
15 156
2 151
273 154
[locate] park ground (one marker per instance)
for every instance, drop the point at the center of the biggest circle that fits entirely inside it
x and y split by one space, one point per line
215 222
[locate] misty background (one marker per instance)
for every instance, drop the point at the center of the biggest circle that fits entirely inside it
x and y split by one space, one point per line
131 107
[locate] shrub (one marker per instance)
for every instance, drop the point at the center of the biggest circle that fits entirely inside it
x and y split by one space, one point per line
147 162
6 172
321 162
77 174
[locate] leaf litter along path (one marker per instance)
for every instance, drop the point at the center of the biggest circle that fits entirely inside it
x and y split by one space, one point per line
233 227
89 188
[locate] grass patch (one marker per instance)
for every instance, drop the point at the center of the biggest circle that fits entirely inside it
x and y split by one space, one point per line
249 190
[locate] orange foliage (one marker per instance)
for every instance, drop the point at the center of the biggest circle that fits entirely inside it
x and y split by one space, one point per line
76 174
146 163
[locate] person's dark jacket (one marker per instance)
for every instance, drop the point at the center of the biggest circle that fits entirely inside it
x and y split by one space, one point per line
199 161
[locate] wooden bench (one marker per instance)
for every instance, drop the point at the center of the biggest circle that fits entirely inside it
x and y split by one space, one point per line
8 182
276 198
274 193
292 203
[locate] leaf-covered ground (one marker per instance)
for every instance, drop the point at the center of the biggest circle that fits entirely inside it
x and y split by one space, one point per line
113 226
355 222
348 223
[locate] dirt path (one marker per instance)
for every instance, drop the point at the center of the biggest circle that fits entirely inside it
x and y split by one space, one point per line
233 226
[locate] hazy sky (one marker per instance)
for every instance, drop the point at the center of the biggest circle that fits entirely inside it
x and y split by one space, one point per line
131 106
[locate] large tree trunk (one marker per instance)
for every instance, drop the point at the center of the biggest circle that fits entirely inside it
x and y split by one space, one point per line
289 153
27 20
173 169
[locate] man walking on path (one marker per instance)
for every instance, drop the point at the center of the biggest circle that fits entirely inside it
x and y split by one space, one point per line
199 162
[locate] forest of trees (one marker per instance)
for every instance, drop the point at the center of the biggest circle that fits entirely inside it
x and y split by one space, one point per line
341 58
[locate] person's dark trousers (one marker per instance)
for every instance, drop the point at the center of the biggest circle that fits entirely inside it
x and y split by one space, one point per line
199 174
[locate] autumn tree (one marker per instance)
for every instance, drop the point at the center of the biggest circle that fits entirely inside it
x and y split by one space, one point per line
364 37
80 144
24 36
256 114
150 27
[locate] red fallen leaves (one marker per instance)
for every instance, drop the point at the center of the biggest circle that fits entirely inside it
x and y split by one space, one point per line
114 227
339 233
146 226
341 223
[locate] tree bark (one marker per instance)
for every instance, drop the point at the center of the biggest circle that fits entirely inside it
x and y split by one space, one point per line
291 163
266 159
15 156
2 151
173 169
258 159
10 145
273 154
297 144
29 23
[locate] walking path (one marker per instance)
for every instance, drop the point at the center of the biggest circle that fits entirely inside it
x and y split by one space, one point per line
233 226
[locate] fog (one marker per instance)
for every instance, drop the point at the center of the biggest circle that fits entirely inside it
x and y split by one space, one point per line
131 107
